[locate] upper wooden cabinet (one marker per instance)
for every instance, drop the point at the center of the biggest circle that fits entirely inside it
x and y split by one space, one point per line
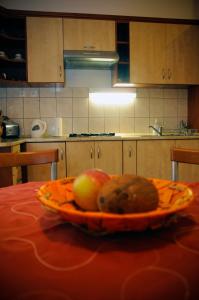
96 35
45 49
164 53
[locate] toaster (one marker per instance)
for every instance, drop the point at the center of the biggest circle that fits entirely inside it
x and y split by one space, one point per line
10 129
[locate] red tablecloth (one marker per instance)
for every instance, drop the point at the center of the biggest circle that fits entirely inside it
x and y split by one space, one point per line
42 257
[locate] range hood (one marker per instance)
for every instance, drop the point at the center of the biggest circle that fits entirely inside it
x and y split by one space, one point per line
90 59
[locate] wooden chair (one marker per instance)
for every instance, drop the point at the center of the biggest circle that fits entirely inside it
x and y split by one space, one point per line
181 155
31 158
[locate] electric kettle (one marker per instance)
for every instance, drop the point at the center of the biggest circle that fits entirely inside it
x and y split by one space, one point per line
38 128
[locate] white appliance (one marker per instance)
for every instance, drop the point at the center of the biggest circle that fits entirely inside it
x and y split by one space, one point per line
38 128
55 127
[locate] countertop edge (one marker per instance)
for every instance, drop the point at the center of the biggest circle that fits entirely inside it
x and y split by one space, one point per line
7 143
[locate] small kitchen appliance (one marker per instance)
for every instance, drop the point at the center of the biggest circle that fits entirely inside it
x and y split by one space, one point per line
10 128
38 128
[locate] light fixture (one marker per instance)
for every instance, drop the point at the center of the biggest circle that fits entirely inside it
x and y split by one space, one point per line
112 96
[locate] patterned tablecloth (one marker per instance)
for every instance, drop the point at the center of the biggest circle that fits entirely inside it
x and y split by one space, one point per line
42 257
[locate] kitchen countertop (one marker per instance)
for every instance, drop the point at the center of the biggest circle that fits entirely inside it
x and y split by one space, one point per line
12 142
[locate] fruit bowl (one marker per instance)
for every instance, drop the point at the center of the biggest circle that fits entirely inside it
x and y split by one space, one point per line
57 196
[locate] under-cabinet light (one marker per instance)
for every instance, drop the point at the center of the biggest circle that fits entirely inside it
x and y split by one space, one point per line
112 96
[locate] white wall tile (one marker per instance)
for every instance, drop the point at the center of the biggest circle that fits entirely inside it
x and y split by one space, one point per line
112 124
170 108
15 108
141 125
95 110
126 125
80 92
31 92
3 106
183 94
156 93
142 92
170 93
31 108
80 107
170 123
156 107
64 107
111 111
96 125
48 107
67 124
2 92
47 92
182 107
15 92
141 107
64 92
127 110
80 125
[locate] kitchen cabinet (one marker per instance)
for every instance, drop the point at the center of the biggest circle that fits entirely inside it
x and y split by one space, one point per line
188 172
164 53
105 155
129 157
45 49
42 172
13 48
84 34
153 158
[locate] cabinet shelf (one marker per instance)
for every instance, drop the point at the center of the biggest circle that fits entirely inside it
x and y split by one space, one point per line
12 42
5 36
122 68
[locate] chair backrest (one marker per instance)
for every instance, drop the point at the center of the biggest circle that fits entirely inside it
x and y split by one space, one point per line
31 158
182 155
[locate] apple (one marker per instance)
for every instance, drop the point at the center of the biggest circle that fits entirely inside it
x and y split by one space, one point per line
86 188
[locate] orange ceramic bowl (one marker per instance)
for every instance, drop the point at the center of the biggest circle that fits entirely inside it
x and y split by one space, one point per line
57 196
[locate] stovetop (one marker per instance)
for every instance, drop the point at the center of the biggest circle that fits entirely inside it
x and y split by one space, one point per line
91 134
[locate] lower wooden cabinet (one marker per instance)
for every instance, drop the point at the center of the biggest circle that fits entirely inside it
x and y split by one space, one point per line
188 172
42 172
105 155
153 158
129 157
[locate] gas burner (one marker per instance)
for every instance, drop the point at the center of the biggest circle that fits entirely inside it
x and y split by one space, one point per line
91 134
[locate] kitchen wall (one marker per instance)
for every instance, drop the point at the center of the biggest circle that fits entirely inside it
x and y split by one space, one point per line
183 9
79 114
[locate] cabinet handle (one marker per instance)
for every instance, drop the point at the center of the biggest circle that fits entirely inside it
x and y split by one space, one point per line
163 74
98 152
91 153
130 151
169 74
61 152
60 71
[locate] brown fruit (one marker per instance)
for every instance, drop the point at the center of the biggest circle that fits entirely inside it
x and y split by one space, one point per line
128 194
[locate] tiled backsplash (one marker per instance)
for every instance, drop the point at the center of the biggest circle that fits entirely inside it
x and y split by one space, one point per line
79 114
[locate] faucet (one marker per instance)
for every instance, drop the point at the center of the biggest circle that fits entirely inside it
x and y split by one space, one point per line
159 130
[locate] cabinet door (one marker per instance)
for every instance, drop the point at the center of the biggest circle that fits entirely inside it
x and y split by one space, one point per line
42 172
188 172
129 157
80 157
182 46
153 158
147 52
80 34
108 156
45 49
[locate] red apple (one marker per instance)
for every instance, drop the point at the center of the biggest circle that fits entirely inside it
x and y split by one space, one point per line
86 188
